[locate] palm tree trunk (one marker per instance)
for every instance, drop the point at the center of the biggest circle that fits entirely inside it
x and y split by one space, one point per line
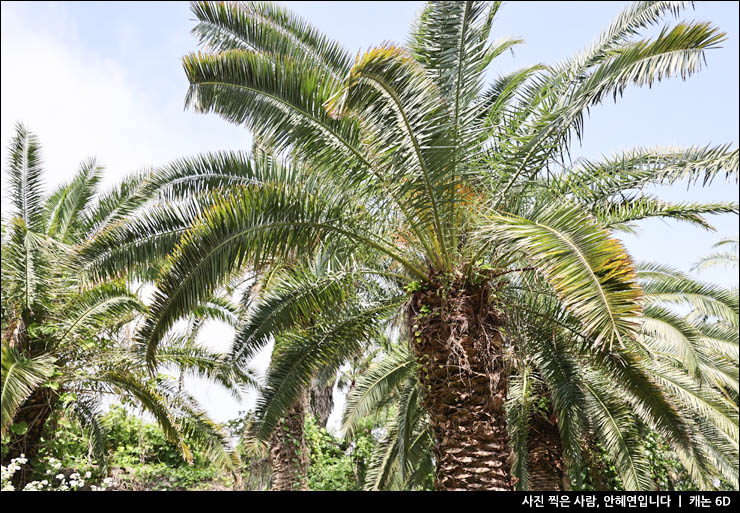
459 349
546 467
35 411
288 452
321 401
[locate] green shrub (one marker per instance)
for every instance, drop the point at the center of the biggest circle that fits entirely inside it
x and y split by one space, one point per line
336 464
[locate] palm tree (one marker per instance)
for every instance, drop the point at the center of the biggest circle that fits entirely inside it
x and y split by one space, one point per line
693 355
164 204
285 308
66 342
453 189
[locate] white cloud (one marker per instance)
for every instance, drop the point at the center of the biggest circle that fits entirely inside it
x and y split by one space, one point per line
82 103
76 106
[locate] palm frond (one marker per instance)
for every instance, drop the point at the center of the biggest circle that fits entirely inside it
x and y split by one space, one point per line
401 110
97 306
86 409
590 181
26 267
25 178
281 101
291 299
726 259
68 203
614 424
590 271
518 410
619 212
20 377
267 28
636 17
450 40
301 354
195 359
250 227
135 243
376 386
668 286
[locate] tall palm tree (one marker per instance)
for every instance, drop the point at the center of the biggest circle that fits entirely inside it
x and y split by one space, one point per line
453 188
66 342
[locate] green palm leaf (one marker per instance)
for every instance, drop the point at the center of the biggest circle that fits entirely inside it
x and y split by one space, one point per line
67 204
20 377
303 353
589 271
25 178
374 387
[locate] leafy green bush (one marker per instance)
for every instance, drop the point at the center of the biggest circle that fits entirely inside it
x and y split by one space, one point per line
139 456
163 477
336 464
133 441
130 440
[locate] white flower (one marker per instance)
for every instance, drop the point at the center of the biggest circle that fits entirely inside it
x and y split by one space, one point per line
60 477
33 486
88 474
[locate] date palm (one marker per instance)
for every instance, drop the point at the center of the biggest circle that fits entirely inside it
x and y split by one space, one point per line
166 203
66 342
554 407
322 302
452 187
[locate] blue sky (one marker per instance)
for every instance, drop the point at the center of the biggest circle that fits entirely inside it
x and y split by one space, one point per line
104 79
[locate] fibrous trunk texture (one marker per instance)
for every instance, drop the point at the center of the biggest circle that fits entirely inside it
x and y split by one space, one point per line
459 348
288 452
546 467
35 411
321 401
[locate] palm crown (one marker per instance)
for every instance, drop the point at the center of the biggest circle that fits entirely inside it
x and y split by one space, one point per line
405 154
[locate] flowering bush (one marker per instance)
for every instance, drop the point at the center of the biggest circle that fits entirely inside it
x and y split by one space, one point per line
54 482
